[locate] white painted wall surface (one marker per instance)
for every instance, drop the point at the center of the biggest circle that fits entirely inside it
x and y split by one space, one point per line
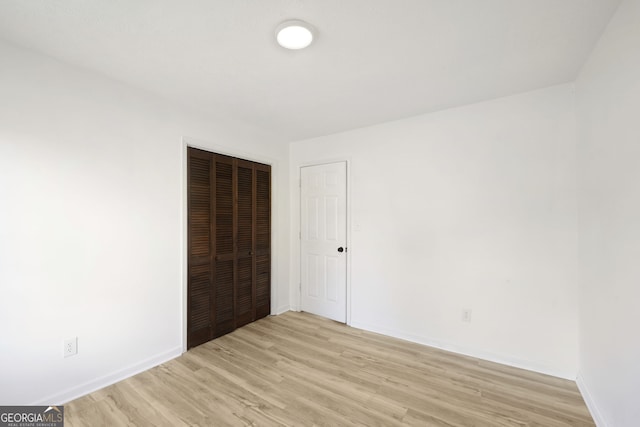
608 104
475 208
92 225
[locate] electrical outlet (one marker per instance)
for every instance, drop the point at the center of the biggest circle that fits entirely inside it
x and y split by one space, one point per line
466 315
71 347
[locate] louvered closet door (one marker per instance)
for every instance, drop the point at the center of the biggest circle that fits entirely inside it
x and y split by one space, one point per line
224 270
229 240
245 237
263 240
200 214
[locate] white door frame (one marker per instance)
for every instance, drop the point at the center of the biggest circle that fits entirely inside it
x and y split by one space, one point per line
349 251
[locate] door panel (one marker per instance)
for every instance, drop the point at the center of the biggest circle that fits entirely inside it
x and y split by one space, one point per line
223 208
323 232
262 252
200 271
223 285
245 243
224 265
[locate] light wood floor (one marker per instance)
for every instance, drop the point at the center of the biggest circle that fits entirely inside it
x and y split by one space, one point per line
298 369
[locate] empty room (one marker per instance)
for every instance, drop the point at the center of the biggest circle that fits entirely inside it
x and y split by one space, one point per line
320 212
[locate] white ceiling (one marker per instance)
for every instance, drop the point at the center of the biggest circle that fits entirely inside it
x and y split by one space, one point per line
373 61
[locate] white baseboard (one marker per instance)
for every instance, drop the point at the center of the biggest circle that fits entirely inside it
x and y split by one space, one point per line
106 380
454 348
282 309
591 404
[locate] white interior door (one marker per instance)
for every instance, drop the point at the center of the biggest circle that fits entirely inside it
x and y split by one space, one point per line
323 237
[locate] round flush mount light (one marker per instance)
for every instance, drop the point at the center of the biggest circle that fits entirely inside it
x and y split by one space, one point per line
294 34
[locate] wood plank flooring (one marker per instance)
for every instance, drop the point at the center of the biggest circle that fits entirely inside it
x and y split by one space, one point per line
297 369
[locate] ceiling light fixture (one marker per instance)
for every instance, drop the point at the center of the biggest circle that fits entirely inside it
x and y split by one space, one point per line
294 34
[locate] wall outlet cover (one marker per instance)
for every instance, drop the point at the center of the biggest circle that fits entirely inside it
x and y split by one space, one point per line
71 347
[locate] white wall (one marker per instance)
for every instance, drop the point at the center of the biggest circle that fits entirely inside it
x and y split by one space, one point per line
92 225
608 104
471 207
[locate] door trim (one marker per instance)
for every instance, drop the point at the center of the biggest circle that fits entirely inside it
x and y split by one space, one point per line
298 290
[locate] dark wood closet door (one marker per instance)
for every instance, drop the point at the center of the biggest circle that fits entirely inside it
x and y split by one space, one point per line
199 243
245 307
224 247
229 227
263 241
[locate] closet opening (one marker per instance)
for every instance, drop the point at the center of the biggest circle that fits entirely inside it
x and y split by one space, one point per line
229 244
